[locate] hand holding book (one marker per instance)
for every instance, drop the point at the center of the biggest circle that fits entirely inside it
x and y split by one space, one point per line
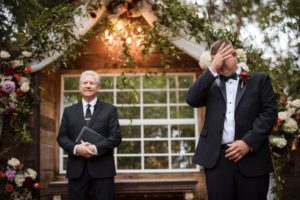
89 135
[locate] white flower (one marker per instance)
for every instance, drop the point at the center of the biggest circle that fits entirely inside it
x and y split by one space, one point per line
4 54
25 87
291 111
283 115
14 162
244 66
27 54
279 142
295 103
290 126
5 78
189 196
31 173
16 63
205 59
19 180
24 194
241 56
23 80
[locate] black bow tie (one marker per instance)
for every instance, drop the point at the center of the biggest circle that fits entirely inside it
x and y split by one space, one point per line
226 78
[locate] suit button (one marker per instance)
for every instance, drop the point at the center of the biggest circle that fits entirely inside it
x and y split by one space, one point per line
220 131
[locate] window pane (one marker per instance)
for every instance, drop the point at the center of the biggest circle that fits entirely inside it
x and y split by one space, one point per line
107 97
128 97
155 82
130 82
71 83
183 130
157 92
129 162
181 112
131 131
152 131
182 162
129 147
156 162
106 83
172 81
155 97
129 112
71 98
156 146
155 112
185 81
183 146
177 96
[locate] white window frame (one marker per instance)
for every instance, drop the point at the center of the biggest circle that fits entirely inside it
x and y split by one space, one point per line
141 122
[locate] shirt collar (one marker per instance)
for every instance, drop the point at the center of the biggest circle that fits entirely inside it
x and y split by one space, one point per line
92 103
238 71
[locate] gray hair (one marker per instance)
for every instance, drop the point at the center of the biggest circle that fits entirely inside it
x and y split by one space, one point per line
89 73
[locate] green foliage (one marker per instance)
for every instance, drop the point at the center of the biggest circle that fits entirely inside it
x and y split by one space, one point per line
276 18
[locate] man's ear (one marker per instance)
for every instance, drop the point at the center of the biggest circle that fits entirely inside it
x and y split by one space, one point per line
234 53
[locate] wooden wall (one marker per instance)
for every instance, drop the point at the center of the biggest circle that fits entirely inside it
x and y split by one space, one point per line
49 115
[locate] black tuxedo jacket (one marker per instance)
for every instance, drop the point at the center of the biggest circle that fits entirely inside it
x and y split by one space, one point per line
255 116
105 121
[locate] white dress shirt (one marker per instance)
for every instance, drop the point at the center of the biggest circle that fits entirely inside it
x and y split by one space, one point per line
92 107
229 123
84 107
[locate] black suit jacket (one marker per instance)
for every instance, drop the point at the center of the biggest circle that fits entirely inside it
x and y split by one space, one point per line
105 121
255 115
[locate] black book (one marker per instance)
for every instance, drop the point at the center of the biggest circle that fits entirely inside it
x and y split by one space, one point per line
89 135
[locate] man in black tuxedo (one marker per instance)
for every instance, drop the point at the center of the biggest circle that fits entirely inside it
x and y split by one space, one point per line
90 167
233 146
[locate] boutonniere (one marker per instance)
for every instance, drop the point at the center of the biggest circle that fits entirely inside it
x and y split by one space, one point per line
244 77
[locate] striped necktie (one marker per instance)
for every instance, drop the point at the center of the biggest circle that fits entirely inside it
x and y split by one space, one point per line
88 114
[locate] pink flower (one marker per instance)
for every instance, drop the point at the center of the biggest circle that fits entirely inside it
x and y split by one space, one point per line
8 86
244 76
10 174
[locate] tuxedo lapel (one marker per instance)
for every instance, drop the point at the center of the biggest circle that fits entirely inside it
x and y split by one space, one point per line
97 110
240 92
80 114
221 86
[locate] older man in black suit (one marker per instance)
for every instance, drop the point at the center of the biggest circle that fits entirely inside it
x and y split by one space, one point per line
241 110
90 167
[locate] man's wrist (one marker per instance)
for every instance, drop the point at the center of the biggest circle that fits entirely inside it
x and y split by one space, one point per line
213 71
74 150
96 150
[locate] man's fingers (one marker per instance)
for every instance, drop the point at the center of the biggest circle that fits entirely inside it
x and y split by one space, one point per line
90 152
238 158
223 49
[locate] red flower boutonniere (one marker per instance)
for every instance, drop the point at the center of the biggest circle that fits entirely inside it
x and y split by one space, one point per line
244 77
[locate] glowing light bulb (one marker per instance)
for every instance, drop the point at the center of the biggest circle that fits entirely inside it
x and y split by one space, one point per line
139 42
119 26
139 29
128 40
